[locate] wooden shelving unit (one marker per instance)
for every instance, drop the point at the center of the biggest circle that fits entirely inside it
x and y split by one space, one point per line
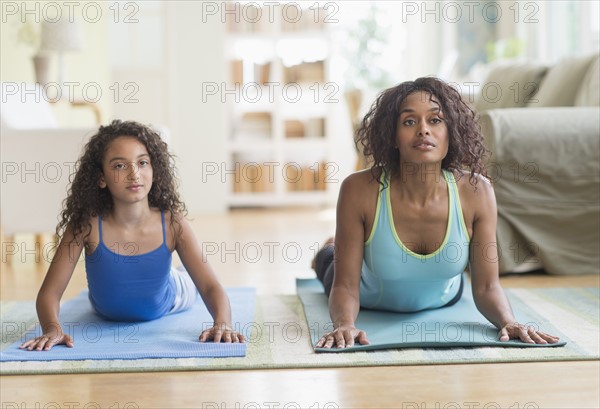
279 142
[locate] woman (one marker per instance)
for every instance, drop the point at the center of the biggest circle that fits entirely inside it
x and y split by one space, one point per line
408 226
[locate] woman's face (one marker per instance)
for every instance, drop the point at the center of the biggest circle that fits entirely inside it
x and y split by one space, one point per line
421 131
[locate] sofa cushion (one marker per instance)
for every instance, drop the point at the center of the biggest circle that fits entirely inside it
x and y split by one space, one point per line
509 85
589 91
561 84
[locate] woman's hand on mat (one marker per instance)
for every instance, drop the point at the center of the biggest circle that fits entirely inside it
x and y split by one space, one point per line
342 337
221 333
526 334
47 341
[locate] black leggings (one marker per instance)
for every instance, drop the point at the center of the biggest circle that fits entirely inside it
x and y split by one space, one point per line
324 267
325 272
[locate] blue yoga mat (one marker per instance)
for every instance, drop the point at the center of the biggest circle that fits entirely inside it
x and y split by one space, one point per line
460 325
172 336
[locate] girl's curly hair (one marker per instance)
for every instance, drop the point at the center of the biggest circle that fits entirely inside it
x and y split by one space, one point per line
86 199
377 133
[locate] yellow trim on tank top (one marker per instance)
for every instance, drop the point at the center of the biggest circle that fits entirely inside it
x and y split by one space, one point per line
460 212
376 220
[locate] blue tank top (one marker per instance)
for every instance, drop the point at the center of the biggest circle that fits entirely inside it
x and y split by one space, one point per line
130 288
397 279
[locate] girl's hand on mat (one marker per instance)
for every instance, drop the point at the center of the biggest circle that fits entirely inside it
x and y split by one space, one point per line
47 341
526 334
221 333
342 337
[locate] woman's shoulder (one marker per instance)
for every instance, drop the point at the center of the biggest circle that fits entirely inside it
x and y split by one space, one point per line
472 182
363 179
359 192
475 190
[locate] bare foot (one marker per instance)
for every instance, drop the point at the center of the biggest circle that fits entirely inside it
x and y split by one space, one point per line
330 242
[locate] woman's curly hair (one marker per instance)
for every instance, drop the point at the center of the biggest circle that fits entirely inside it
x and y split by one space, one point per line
86 199
377 133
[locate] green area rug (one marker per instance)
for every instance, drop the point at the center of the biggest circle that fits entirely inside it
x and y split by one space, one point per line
281 338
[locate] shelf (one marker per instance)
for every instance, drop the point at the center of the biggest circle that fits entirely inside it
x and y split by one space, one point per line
291 113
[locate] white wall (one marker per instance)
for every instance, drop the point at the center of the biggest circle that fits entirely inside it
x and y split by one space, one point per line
163 59
194 56
138 64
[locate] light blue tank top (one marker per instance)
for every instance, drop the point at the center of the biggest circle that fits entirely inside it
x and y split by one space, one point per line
136 287
395 278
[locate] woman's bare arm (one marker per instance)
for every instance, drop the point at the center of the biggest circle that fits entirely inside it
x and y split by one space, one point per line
344 299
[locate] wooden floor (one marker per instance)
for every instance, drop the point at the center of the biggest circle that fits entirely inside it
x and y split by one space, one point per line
268 250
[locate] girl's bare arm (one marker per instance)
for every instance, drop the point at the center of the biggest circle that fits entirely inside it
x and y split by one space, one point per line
214 296
53 287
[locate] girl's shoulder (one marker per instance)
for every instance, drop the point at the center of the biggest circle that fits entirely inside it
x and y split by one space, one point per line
172 217
90 234
175 222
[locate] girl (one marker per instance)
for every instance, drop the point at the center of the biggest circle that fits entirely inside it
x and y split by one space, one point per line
408 226
123 209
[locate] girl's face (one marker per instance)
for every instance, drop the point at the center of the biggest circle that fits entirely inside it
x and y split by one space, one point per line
421 131
126 170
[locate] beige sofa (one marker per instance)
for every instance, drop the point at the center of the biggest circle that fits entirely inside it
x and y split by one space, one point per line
543 130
